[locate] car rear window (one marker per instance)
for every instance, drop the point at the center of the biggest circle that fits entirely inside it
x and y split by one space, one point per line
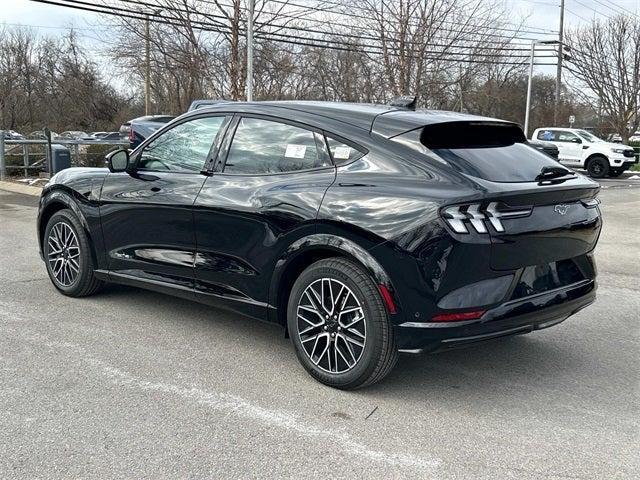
492 151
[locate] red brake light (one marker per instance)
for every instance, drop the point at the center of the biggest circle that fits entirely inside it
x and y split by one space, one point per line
457 317
132 135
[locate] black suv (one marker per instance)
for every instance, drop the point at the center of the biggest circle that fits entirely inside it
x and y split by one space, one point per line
364 230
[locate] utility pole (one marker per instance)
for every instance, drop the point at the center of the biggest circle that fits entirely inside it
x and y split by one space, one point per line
250 50
147 66
556 109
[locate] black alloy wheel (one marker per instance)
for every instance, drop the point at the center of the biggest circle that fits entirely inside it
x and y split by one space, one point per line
68 259
339 325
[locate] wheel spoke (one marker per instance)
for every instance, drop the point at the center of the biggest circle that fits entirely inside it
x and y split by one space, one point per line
315 345
315 301
352 340
353 322
335 301
355 332
349 349
322 354
309 309
309 339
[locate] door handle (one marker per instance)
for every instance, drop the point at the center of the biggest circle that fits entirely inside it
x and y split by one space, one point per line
155 189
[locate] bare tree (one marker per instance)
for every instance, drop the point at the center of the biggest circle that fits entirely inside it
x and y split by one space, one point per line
606 59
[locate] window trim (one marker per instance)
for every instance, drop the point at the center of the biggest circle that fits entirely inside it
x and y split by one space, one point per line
220 165
214 150
338 138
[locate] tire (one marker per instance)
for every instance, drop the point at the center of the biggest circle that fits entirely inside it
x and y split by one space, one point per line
616 172
351 366
70 268
598 167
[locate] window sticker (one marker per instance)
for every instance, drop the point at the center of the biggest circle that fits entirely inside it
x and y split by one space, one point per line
342 153
295 151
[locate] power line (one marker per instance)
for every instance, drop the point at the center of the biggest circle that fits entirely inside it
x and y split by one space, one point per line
351 27
293 4
353 15
358 37
301 41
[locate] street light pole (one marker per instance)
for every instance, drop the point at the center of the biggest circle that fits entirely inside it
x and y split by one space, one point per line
147 66
528 107
250 50
530 81
556 107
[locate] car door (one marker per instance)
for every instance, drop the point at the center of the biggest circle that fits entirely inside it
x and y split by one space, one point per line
264 195
570 147
146 212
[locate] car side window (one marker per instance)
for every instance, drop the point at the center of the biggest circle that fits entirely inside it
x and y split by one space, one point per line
264 146
184 148
343 153
566 137
547 135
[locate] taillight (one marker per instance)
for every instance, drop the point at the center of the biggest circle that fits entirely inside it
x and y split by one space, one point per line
458 217
132 135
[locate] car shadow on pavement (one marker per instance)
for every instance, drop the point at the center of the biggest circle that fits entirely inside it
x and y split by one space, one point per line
524 361
494 368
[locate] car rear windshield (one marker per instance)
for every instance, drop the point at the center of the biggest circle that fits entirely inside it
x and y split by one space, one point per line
490 150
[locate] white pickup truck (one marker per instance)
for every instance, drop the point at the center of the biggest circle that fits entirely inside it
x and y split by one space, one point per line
581 149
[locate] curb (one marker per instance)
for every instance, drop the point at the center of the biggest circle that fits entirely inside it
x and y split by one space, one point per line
17 188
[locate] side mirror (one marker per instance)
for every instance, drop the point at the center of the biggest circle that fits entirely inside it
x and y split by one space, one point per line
576 140
118 160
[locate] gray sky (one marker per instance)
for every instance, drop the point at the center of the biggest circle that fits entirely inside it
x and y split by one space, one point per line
538 14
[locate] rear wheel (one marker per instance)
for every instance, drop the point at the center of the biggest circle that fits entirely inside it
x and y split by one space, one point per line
598 167
339 326
67 256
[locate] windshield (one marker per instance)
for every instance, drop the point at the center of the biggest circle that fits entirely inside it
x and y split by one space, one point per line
587 136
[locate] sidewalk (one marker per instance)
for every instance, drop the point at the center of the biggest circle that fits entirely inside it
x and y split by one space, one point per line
19 188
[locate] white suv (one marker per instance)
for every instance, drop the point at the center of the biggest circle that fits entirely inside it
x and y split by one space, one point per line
581 149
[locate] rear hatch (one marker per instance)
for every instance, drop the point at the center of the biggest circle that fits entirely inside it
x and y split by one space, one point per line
534 210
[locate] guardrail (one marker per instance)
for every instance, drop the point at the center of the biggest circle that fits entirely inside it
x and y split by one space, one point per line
26 148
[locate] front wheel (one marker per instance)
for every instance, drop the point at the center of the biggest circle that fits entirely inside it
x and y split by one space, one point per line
616 172
339 326
67 256
598 167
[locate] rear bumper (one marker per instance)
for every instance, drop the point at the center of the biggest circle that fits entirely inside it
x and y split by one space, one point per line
511 318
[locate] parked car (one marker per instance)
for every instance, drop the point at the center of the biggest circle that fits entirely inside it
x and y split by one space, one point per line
39 135
635 137
124 129
581 149
363 230
12 135
140 128
614 138
108 136
545 147
73 135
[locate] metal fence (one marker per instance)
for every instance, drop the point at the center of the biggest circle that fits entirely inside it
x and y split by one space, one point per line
35 155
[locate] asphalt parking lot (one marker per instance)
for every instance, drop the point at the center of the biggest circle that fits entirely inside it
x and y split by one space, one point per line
133 384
